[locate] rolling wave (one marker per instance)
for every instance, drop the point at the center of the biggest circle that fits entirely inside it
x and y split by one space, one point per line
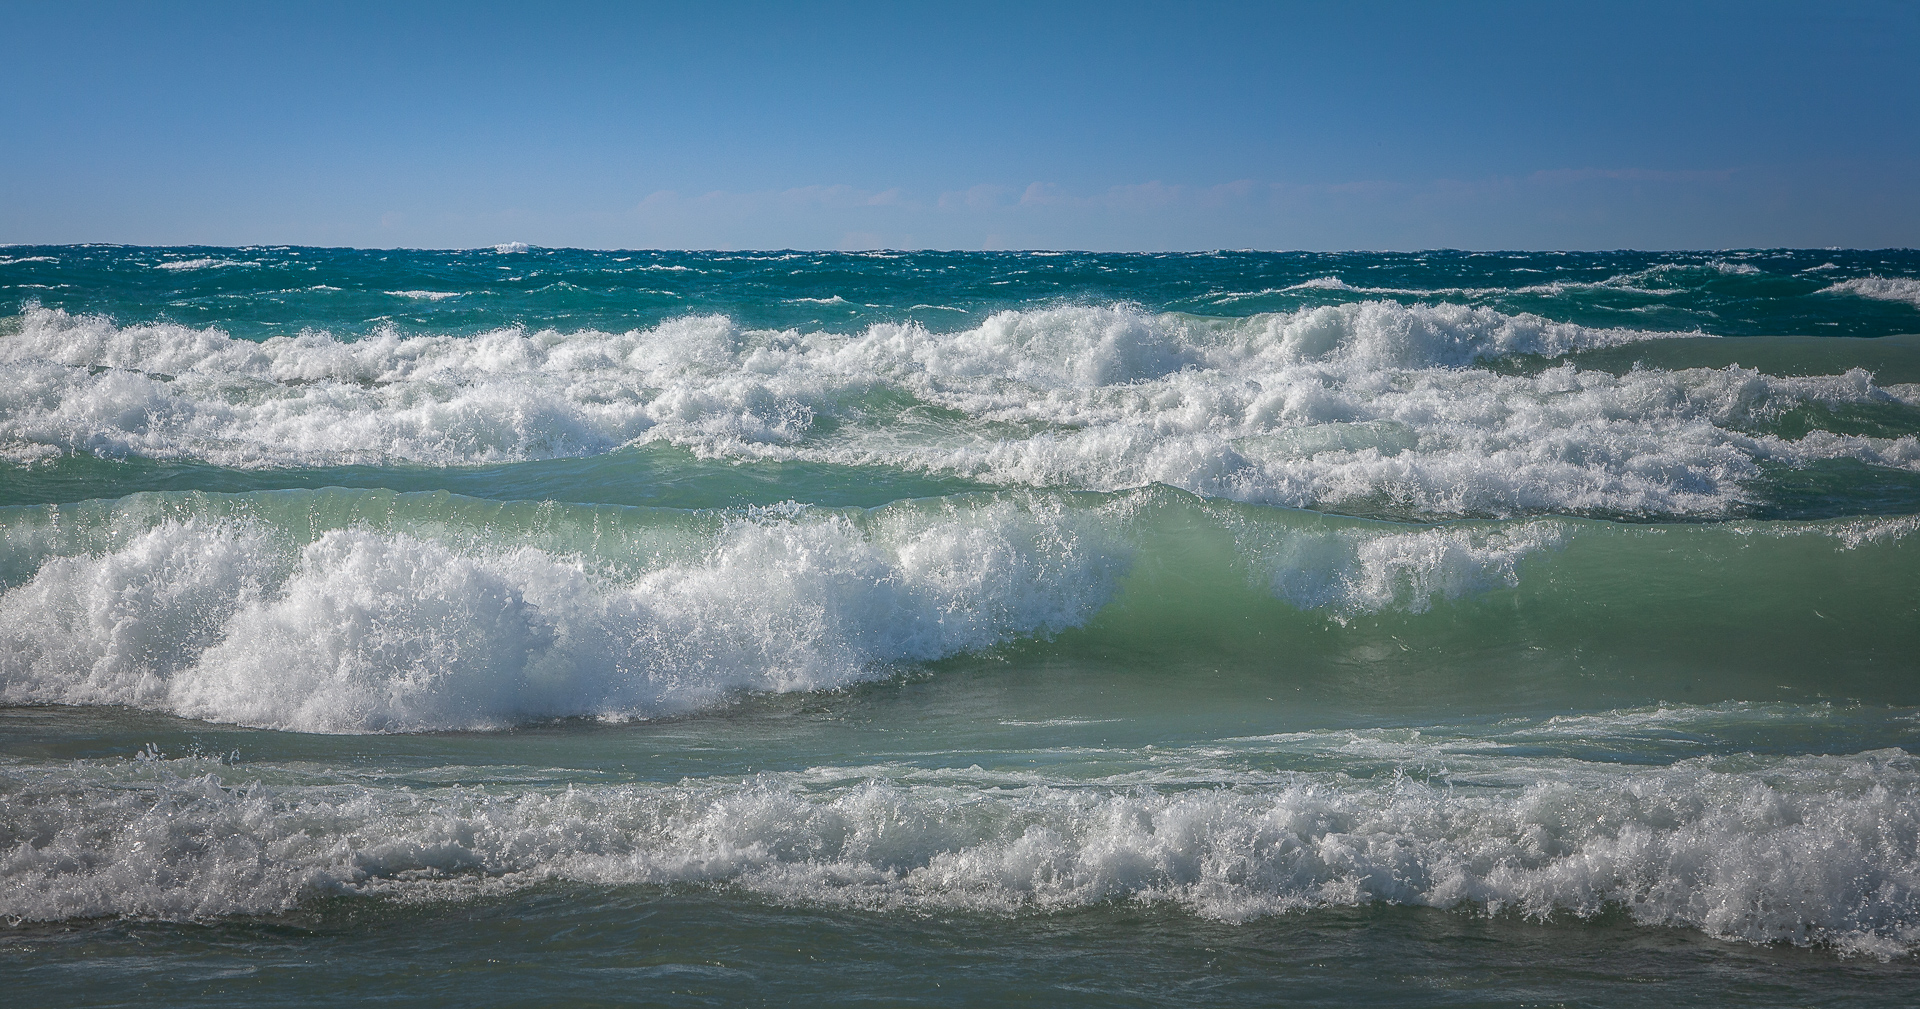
1808 849
370 611
1373 406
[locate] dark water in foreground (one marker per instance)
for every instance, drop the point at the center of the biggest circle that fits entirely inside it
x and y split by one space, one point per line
603 628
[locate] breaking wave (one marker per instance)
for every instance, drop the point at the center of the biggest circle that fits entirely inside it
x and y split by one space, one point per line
1372 405
1808 850
1905 289
370 611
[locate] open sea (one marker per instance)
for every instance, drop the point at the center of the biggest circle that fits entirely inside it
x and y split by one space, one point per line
547 627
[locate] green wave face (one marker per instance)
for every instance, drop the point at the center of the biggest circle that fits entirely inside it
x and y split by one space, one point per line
447 612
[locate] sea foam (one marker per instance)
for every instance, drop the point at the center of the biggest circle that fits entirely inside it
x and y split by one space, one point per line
361 629
351 611
202 263
1371 405
1905 289
1808 849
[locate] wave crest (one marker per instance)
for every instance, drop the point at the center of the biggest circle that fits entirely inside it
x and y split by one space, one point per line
1804 849
366 630
1369 405
1905 289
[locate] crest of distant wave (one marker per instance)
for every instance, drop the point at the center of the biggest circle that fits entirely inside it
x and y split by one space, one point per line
1905 289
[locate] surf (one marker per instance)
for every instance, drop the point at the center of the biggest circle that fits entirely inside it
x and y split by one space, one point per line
359 611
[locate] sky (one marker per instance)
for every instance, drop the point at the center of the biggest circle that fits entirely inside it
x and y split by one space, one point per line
985 125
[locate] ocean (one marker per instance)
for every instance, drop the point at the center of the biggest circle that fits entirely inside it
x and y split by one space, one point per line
532 626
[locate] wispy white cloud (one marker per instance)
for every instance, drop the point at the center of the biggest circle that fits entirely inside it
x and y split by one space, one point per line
981 197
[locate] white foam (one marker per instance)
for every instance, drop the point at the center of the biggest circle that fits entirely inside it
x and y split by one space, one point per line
425 295
1318 284
1905 289
367 630
508 248
1353 570
1365 404
1621 282
201 264
1808 850
1852 534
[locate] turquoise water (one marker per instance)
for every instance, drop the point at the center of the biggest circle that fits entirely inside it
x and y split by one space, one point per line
528 625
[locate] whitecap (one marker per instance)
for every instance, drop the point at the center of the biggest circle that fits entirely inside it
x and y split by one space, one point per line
1809 850
1906 289
1370 401
201 264
372 630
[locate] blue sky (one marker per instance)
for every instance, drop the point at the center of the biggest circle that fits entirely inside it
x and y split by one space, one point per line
979 125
